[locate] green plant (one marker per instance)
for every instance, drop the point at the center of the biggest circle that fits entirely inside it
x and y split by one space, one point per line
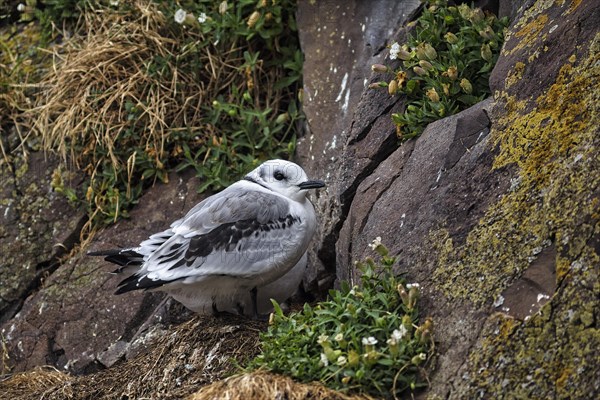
155 87
363 339
446 64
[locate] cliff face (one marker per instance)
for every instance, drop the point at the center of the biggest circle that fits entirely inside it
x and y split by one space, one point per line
494 211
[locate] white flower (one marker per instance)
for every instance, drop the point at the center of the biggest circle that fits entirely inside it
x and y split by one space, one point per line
202 18
394 51
370 341
339 337
114 3
322 339
398 334
412 285
376 242
423 356
180 16
21 7
324 361
341 361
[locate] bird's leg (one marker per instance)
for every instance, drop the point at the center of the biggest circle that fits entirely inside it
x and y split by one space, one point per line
240 308
215 311
253 296
255 314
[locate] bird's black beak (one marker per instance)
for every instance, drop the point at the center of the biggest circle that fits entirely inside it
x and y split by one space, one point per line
311 185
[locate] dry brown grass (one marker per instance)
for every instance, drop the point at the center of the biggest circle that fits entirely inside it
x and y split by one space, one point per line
84 98
35 383
175 365
192 360
266 386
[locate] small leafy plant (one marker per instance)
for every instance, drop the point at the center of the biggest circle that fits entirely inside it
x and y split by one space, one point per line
363 339
150 87
446 64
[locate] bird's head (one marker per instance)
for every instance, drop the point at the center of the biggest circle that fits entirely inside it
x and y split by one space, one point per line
284 177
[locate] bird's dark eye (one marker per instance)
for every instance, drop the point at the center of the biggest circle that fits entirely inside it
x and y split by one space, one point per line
279 175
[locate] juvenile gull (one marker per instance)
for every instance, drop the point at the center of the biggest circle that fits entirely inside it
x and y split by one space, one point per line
231 245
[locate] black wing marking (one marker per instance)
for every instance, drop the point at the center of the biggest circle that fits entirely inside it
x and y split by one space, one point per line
227 236
135 282
121 257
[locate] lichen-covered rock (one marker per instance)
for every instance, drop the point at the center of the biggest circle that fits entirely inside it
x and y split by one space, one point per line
502 229
74 321
38 227
548 136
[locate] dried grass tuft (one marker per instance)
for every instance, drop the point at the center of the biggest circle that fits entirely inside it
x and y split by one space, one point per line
87 100
262 385
174 365
35 384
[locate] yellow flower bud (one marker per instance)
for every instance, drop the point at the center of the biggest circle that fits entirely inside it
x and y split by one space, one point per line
401 78
451 38
404 55
399 133
464 11
223 7
418 359
446 89
403 293
282 118
413 295
353 358
426 65
89 193
466 86
419 71
451 72
486 52
253 19
487 33
433 95
477 15
379 68
392 87
425 51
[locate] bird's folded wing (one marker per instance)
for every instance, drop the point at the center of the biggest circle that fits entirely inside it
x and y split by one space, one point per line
227 234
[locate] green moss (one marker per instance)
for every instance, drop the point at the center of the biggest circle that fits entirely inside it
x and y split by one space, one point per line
554 148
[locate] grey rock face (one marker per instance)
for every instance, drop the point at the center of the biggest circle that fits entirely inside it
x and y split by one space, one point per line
341 40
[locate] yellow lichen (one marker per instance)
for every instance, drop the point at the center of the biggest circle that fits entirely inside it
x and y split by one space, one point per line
533 28
552 148
516 75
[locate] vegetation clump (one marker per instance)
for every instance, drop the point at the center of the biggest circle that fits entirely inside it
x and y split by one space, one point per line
363 339
143 88
446 64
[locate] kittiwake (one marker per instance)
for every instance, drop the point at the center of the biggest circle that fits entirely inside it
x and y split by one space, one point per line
250 237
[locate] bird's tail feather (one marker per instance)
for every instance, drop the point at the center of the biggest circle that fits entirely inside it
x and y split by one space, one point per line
125 258
136 282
